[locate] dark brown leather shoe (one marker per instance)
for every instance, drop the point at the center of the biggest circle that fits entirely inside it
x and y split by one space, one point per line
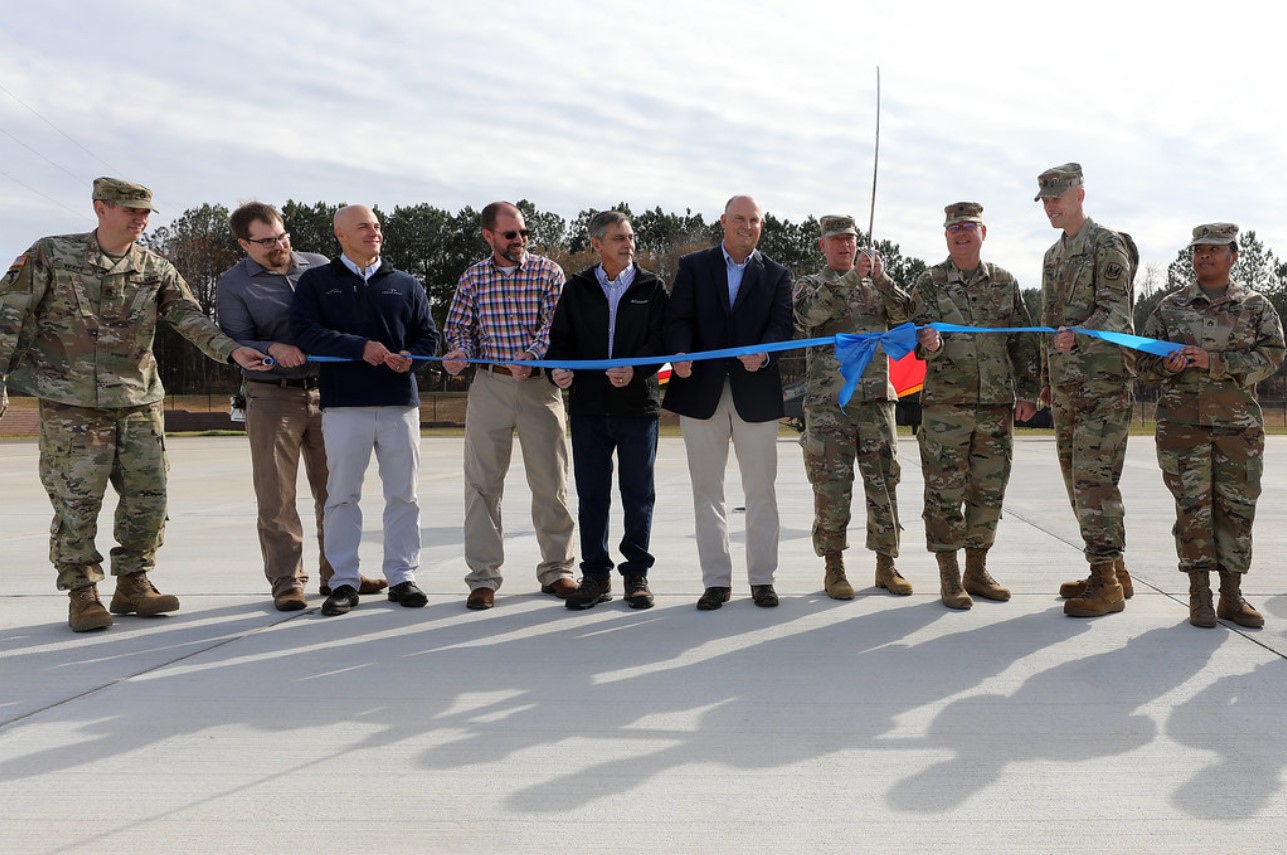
764 596
365 586
290 600
561 588
481 598
712 598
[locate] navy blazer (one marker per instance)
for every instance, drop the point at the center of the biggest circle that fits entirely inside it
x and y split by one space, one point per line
699 317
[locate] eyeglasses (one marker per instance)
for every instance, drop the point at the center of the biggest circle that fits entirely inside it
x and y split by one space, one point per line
270 242
962 227
512 234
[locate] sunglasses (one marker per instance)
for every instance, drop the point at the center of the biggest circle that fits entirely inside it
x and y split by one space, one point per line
962 227
510 235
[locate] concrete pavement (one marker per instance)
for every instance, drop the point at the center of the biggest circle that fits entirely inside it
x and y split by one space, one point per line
878 725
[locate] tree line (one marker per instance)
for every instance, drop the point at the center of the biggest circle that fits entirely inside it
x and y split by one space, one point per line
436 246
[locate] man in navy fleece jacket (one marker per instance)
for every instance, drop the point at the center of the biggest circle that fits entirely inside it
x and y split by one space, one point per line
362 309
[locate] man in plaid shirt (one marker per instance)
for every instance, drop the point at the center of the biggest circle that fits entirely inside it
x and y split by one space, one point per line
501 312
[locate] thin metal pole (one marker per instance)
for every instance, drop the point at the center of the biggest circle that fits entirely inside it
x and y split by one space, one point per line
875 171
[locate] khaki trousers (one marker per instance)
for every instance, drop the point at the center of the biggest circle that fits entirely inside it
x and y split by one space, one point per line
499 405
756 446
284 424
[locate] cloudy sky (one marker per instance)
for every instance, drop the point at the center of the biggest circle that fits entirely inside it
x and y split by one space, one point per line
1170 109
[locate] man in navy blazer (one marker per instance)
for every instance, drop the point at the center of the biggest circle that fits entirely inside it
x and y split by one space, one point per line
731 296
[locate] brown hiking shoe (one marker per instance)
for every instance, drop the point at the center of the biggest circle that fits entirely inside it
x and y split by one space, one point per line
1201 612
1077 587
86 611
834 582
888 577
136 593
949 576
1103 594
978 581
1232 606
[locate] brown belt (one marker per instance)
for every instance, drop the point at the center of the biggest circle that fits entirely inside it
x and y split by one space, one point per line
504 369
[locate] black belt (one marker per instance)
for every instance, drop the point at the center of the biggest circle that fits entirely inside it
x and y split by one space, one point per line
287 382
504 369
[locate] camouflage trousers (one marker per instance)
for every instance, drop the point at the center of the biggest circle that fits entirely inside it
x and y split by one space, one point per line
833 441
965 454
1092 424
1214 475
82 450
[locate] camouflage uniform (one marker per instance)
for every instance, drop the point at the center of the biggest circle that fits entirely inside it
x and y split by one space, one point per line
1210 434
1087 281
971 381
834 438
76 328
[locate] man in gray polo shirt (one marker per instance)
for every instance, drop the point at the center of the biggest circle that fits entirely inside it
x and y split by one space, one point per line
283 419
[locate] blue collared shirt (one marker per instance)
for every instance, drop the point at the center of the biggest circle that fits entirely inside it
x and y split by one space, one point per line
735 273
613 289
365 274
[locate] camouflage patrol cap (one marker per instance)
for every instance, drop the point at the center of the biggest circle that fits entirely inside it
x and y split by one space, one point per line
1219 234
838 224
963 212
1054 181
122 193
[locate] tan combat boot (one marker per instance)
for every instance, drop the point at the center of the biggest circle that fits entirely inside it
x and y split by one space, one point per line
1103 593
949 575
136 593
1077 587
1232 606
978 581
834 582
888 577
86 610
1201 611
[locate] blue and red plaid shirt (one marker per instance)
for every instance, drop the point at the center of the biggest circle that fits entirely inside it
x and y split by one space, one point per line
497 317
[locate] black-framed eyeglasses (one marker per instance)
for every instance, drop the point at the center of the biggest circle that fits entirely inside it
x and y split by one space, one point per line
963 227
510 235
270 242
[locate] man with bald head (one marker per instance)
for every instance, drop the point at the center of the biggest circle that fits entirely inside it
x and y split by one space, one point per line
731 296
360 308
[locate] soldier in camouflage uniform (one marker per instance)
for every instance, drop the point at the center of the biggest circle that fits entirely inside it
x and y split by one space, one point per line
968 403
841 299
1210 432
1087 281
77 317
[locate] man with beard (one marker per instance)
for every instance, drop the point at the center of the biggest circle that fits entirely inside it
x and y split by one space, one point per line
283 413
501 312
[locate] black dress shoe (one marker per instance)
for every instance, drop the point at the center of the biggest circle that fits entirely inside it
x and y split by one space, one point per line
341 600
712 598
764 596
407 594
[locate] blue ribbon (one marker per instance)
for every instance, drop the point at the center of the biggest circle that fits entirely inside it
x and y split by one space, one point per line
853 350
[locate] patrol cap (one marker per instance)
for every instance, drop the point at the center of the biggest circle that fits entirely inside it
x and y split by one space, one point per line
122 193
1054 181
963 212
838 224
1219 234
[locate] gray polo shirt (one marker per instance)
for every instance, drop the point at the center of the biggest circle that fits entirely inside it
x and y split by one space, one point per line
254 306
